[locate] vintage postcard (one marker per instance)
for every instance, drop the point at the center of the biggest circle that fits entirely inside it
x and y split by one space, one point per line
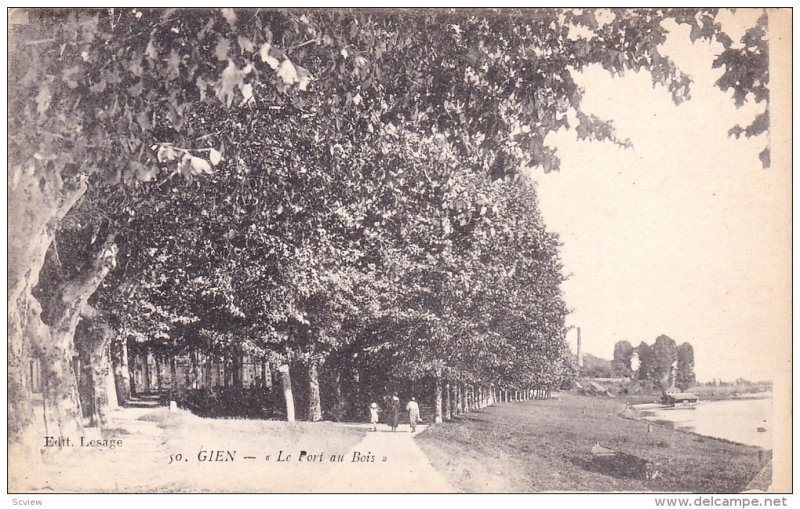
399 250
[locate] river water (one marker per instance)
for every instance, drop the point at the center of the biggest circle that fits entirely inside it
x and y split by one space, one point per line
736 420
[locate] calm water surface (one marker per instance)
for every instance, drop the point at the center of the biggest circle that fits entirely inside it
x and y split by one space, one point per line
736 420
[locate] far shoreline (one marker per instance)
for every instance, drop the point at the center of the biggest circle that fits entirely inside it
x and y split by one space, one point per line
682 429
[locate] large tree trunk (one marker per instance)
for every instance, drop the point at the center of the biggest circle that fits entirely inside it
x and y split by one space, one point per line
447 403
286 383
34 214
133 366
355 396
207 365
122 377
144 358
108 380
236 368
228 378
460 398
92 339
174 384
220 373
20 409
84 371
266 376
194 371
340 395
314 403
438 401
62 404
159 378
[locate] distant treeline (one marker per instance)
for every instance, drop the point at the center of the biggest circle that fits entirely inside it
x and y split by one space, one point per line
664 363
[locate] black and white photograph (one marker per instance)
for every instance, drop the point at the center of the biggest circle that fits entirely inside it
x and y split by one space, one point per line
399 250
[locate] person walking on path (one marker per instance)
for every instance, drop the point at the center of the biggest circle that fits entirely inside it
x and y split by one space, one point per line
413 414
395 412
373 416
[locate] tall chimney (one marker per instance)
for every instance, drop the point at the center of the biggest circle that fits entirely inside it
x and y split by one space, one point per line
580 353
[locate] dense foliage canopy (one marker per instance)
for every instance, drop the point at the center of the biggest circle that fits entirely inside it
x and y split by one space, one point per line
302 184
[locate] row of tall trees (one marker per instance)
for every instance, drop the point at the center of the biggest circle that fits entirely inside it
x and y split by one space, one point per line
315 187
664 362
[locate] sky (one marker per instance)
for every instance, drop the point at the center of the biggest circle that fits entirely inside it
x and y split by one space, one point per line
684 234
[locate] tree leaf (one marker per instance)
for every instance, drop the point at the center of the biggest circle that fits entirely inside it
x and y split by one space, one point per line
247 94
135 90
144 173
268 59
215 157
287 72
43 100
304 78
245 43
150 52
201 87
185 165
173 65
165 153
98 87
144 122
764 157
200 166
222 48
135 67
230 16
231 80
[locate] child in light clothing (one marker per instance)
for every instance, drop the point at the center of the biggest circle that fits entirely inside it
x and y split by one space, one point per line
373 416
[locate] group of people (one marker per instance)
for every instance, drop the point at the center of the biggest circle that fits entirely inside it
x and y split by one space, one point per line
394 417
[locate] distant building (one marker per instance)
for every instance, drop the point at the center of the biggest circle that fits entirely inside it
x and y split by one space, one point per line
679 399
610 380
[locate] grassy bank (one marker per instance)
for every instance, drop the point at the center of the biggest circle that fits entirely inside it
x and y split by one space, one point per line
545 446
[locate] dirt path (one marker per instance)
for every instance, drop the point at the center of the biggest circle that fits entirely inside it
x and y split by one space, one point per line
141 465
133 467
406 469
